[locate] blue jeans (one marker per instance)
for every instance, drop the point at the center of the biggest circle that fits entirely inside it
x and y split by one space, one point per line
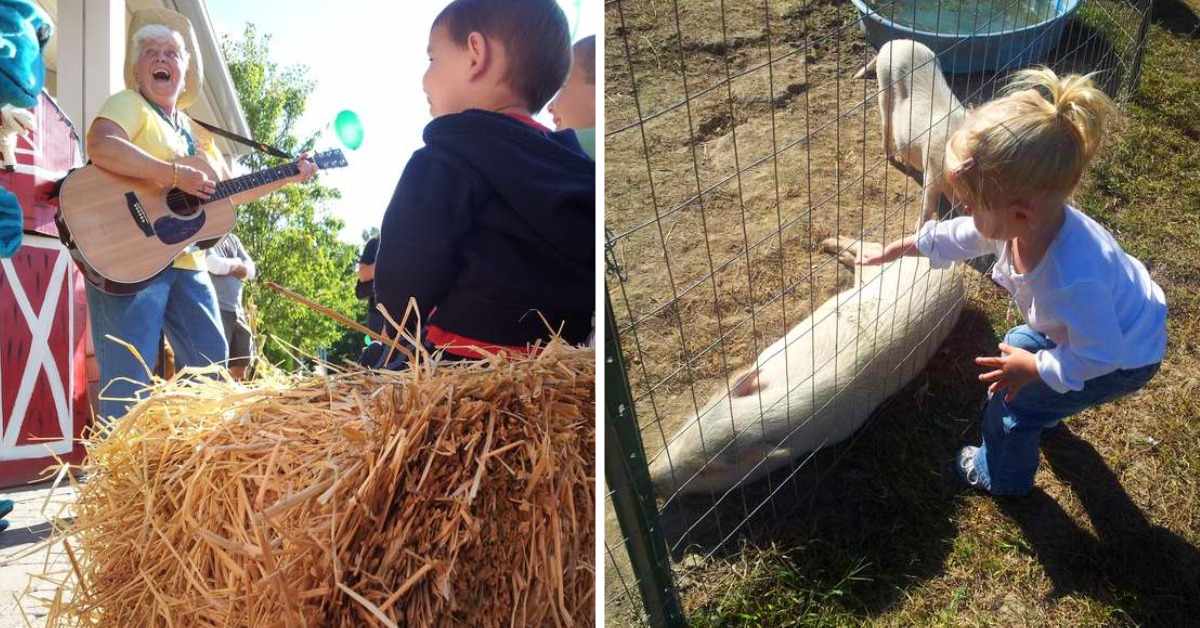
1012 430
180 302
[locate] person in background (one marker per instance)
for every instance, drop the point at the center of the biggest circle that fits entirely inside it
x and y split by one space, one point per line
491 229
575 105
365 288
230 266
575 108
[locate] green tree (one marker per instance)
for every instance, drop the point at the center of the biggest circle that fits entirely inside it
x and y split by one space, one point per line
290 233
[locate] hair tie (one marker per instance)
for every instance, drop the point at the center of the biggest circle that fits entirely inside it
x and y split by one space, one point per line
1062 107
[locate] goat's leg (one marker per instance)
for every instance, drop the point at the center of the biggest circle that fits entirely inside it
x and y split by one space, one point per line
931 198
850 250
846 249
886 104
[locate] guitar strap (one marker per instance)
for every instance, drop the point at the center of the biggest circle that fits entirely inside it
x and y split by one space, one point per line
259 146
177 125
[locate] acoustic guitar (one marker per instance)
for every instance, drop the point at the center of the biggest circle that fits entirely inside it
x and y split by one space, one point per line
123 232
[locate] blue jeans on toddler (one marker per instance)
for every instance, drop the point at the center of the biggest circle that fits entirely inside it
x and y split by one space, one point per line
180 302
1012 430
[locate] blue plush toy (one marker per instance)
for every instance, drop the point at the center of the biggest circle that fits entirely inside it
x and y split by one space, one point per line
11 223
24 31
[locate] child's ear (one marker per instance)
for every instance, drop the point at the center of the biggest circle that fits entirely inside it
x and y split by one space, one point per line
1022 210
479 53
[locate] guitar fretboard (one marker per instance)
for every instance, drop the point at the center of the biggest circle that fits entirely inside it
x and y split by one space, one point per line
253 180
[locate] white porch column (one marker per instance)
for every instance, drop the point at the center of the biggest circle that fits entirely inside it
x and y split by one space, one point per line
91 56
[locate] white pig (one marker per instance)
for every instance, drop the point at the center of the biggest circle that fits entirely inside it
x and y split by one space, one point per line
918 112
799 397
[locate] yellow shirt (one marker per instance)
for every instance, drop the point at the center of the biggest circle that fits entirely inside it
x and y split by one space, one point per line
150 132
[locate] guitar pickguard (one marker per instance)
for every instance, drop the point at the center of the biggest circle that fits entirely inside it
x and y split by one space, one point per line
172 230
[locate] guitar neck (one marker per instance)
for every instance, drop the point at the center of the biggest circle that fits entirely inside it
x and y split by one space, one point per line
249 182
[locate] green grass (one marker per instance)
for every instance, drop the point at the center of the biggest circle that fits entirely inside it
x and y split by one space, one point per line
1111 536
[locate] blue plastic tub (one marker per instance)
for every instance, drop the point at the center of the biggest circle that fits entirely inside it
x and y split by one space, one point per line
971 35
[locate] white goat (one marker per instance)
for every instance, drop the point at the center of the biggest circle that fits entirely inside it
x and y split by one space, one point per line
918 112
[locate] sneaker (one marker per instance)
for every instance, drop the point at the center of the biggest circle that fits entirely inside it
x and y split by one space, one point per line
964 467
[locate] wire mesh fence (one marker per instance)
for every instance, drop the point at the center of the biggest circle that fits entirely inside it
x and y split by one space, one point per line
747 170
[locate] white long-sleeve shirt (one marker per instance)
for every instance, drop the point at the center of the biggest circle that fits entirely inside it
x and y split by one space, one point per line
1098 304
221 260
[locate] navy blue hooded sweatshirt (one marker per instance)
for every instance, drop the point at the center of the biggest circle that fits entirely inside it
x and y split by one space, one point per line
492 223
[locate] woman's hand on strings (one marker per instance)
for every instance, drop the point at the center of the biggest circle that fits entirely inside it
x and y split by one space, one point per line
307 168
194 182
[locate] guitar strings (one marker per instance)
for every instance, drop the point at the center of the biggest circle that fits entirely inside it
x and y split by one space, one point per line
177 195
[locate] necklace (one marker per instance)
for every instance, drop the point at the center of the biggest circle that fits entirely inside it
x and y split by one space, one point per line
175 124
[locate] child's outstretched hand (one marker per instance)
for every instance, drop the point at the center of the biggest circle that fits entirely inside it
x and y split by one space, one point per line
1013 370
899 248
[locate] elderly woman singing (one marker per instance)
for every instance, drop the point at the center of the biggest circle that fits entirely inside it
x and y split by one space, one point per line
141 132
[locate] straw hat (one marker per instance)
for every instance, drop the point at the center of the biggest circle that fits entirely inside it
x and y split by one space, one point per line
180 24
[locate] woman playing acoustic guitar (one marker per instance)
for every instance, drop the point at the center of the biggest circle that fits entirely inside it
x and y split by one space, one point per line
140 133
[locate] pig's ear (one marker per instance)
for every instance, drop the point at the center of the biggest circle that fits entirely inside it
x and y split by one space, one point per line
748 384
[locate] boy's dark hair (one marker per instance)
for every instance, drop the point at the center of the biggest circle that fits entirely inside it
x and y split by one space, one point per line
585 56
534 33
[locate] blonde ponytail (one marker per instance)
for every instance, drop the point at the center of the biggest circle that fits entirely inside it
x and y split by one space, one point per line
1034 142
1074 97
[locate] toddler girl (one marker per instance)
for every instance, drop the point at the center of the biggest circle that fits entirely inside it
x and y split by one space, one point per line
1095 321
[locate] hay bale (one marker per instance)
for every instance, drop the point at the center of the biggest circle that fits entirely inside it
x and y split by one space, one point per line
450 495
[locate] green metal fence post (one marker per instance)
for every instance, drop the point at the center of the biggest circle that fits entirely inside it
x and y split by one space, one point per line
632 495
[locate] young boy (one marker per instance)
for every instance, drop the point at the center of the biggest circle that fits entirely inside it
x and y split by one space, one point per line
575 105
492 225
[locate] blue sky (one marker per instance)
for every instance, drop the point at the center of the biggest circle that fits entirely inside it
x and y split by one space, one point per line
368 56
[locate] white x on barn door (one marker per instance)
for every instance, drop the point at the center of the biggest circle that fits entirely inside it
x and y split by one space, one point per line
40 359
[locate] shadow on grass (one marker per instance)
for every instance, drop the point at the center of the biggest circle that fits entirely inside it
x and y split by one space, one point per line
880 507
1152 574
1177 17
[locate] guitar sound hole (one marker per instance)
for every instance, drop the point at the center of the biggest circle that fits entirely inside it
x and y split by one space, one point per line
183 203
